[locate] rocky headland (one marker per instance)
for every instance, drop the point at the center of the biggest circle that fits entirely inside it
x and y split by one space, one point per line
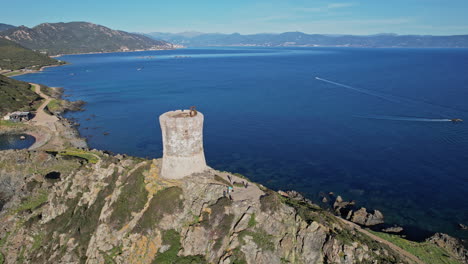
63 203
87 206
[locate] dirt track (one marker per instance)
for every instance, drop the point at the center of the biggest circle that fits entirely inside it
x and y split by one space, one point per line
42 118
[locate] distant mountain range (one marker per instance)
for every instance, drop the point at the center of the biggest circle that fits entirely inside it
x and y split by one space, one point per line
4 27
196 39
79 37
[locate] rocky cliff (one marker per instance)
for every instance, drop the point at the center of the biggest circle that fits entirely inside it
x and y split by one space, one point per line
91 207
79 206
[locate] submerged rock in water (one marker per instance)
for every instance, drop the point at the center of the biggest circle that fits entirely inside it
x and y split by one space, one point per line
393 229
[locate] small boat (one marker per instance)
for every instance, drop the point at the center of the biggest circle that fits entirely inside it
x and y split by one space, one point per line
456 120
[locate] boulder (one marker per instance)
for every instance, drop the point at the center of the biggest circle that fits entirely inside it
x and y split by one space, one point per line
365 218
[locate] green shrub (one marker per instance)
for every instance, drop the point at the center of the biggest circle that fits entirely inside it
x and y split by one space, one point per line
260 238
83 154
427 252
270 202
252 221
132 198
172 238
167 201
33 202
222 180
238 257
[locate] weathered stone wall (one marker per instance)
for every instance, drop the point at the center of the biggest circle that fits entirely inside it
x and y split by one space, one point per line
183 144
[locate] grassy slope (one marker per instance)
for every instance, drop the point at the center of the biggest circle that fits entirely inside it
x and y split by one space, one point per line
13 57
427 252
15 95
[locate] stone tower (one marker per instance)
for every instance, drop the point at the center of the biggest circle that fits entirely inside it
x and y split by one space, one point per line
182 133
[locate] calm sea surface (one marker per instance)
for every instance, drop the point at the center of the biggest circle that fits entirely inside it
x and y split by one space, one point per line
375 126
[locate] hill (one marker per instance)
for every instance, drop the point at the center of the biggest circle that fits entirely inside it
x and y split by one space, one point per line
311 40
14 57
15 95
79 37
4 27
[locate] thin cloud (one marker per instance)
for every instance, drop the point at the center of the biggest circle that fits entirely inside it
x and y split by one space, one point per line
273 18
326 8
340 5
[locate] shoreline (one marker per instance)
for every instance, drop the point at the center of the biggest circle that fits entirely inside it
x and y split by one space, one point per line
21 72
106 52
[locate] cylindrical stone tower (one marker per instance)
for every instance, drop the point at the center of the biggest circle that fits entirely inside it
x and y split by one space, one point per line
182 133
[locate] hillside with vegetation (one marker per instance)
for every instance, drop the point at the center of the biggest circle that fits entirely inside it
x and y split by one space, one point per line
80 37
16 95
14 57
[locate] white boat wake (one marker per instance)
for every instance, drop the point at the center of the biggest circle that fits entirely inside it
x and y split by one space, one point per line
404 118
364 91
442 110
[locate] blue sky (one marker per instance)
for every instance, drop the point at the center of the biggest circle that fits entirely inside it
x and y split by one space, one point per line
436 17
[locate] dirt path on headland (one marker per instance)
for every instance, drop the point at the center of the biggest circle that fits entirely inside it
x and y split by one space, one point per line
42 118
401 251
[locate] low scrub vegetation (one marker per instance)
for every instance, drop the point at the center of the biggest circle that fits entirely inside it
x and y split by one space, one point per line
427 252
90 157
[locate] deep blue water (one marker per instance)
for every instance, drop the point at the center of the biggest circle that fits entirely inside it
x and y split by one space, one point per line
13 141
365 130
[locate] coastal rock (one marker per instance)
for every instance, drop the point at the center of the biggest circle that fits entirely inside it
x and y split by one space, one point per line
451 244
343 208
362 217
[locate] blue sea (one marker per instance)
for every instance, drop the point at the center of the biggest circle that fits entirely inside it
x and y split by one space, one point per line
372 125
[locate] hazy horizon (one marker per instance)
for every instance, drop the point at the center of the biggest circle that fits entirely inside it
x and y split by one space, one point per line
361 17
196 32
